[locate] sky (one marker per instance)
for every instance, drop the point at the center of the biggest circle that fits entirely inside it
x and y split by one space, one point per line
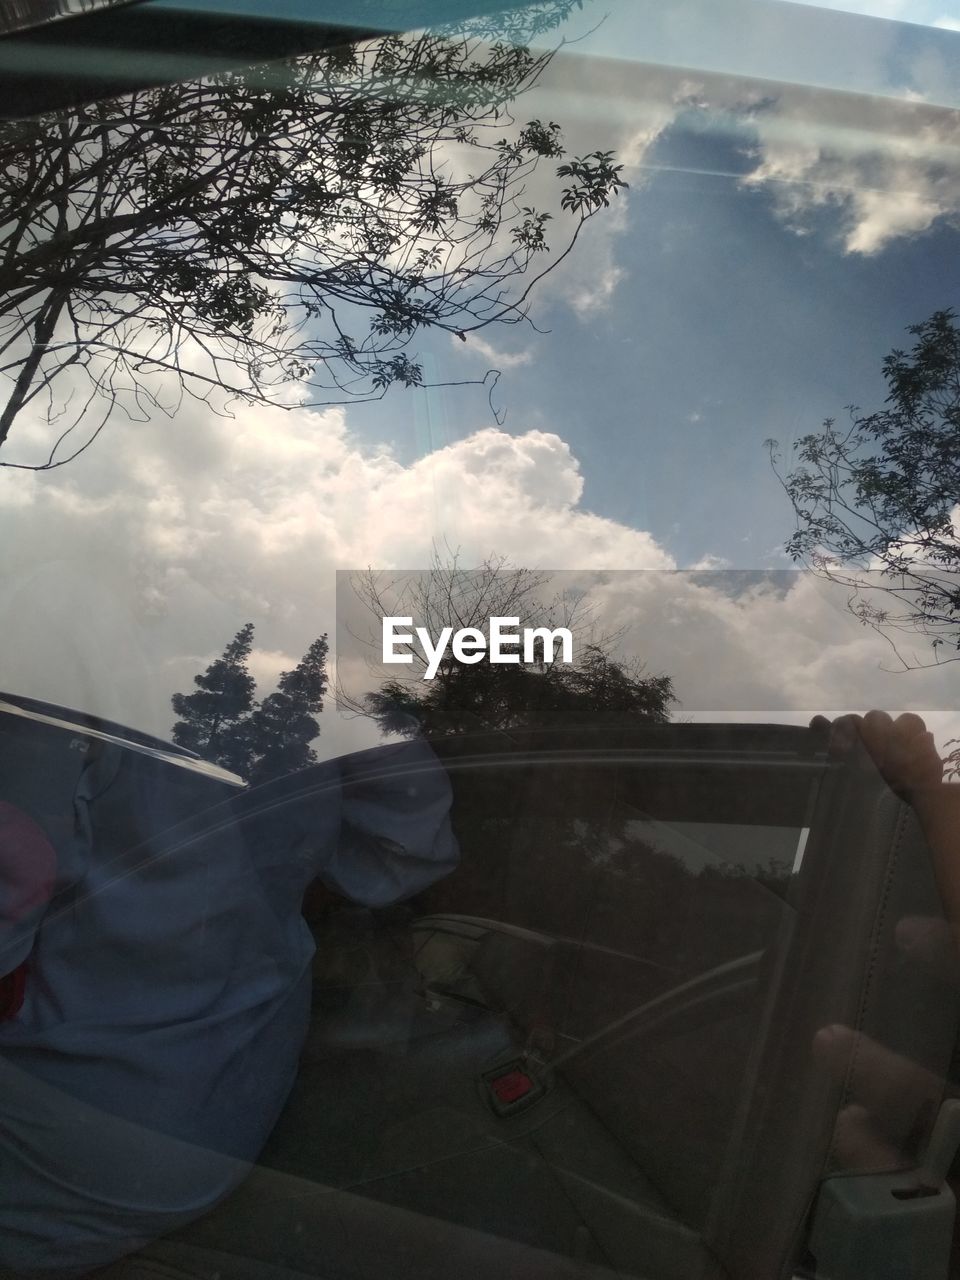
793 205
931 13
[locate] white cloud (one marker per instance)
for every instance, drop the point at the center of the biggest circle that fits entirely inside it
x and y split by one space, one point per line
494 358
126 573
883 167
605 105
892 178
587 301
784 649
160 542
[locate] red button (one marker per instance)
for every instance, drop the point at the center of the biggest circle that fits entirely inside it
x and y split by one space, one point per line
511 1086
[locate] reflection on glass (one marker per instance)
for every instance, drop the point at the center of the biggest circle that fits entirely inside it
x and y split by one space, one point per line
612 959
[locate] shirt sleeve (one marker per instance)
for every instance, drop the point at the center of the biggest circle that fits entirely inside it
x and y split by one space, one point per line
395 833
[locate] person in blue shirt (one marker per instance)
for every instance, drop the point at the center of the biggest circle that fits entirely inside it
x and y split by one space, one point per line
157 999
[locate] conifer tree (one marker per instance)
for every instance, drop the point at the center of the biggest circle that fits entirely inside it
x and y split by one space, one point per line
223 697
274 739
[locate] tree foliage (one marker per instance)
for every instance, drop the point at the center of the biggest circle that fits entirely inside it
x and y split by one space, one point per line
881 494
257 740
278 234
597 690
223 697
275 738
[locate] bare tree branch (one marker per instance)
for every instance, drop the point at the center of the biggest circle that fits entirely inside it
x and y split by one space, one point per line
299 224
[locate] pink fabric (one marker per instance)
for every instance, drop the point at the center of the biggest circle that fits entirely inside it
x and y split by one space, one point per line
28 865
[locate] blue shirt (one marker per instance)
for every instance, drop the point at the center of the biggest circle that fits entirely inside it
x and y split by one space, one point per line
168 990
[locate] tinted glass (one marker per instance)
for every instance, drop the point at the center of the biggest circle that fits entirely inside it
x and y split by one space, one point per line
453 482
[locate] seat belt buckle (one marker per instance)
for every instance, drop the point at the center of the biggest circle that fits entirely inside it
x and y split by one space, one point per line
511 1087
890 1225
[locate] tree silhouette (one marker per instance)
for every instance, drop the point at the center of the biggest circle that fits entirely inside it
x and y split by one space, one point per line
281 234
274 739
596 690
882 494
224 695
257 740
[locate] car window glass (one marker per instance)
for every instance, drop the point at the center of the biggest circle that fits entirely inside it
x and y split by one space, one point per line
454 482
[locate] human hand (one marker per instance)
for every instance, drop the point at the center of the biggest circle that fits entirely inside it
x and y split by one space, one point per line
893 1099
903 749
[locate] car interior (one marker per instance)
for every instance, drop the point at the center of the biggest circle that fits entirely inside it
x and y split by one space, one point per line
591 1050
593 1040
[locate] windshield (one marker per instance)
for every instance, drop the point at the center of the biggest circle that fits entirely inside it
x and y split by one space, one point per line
457 482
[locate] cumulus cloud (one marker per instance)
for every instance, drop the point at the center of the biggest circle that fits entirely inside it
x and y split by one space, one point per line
881 168
778 646
138 562
127 572
886 168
